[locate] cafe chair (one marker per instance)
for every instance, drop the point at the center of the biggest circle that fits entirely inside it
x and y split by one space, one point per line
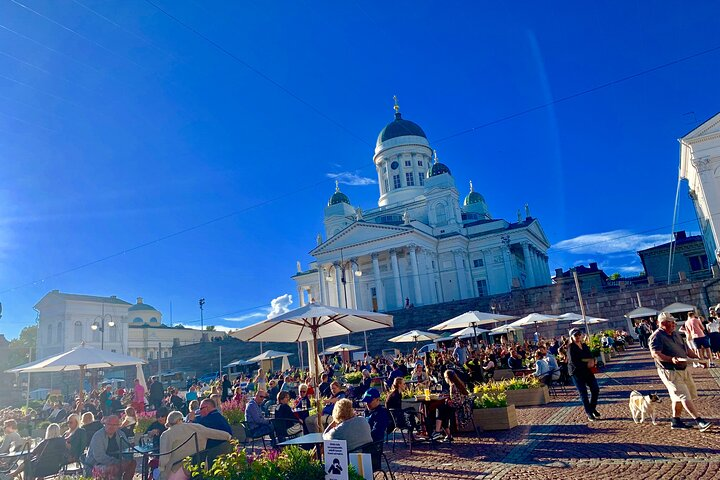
252 439
286 428
12 462
377 455
400 424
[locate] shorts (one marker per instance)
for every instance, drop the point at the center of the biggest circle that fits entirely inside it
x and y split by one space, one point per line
679 383
701 342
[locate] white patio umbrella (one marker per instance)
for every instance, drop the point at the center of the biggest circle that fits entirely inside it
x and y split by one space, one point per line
469 332
81 358
269 355
641 312
570 316
343 347
590 321
311 322
472 319
414 336
503 329
533 319
678 307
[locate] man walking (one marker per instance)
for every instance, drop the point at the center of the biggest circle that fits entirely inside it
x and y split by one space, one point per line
670 354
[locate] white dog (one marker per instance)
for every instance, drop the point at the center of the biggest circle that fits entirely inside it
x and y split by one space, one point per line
642 405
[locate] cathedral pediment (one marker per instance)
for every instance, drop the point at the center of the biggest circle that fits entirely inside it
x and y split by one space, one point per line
361 233
708 128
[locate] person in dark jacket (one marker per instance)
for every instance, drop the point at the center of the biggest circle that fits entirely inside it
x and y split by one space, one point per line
580 368
290 425
157 393
75 438
377 415
226 388
210 417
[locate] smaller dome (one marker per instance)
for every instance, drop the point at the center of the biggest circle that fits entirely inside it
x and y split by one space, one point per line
141 306
437 168
338 196
473 197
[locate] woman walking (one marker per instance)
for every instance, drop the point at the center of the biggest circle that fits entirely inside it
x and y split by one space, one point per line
581 364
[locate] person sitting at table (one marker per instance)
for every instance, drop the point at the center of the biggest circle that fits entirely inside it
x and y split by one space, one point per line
290 426
156 428
324 386
105 455
396 372
177 434
12 439
337 394
346 426
75 438
128 422
406 417
376 415
456 400
420 376
238 396
360 390
257 424
303 404
46 458
542 367
515 361
90 425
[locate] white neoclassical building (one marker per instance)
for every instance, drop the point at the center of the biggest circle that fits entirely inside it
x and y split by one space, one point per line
419 245
67 319
700 166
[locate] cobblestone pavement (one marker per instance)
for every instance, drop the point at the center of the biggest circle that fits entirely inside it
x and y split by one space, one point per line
556 440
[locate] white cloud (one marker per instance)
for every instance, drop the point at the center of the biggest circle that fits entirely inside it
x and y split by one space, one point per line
350 178
615 241
280 305
243 318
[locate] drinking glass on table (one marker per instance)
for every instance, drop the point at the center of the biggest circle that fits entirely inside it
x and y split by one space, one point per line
427 393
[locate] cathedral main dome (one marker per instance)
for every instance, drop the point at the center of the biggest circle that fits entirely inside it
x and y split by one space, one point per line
399 128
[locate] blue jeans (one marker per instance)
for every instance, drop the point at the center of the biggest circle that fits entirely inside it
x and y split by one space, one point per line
582 384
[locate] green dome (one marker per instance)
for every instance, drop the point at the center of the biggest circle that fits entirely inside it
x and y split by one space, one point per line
473 197
141 306
338 196
438 169
399 128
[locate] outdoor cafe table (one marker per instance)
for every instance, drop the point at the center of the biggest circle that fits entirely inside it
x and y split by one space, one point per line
309 439
428 405
146 451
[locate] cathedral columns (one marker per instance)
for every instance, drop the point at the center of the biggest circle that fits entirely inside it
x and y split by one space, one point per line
530 280
505 249
396 278
338 283
379 291
356 284
323 286
301 296
460 274
538 268
415 274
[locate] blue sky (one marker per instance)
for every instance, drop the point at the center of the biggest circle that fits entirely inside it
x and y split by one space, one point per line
119 127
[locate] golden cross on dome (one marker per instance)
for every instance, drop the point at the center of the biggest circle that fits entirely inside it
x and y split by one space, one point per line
397 105
471 189
435 157
337 186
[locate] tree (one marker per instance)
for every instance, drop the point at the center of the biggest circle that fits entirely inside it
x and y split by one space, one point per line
210 328
20 348
614 276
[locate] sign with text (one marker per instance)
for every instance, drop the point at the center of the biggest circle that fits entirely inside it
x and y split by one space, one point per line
336 460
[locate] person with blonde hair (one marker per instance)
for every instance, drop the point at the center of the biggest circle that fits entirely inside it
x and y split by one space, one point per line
75 438
347 426
46 458
178 435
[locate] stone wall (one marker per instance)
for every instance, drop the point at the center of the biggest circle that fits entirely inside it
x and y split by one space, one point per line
610 302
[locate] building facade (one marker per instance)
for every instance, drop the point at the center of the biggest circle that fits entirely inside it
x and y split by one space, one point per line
65 320
700 166
689 259
419 245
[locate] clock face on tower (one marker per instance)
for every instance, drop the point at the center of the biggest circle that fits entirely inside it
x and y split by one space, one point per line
394 165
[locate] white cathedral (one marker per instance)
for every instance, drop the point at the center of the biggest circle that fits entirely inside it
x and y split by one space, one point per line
419 246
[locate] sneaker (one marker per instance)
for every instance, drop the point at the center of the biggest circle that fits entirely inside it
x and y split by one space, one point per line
436 435
677 424
703 424
596 414
447 439
591 418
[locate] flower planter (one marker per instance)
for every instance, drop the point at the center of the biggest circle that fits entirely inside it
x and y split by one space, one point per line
238 432
503 374
503 418
528 396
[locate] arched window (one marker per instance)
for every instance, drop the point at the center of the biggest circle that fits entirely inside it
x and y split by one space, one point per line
137 320
153 320
78 331
49 338
59 333
440 214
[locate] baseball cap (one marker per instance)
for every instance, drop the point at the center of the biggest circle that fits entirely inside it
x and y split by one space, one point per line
574 331
370 395
666 317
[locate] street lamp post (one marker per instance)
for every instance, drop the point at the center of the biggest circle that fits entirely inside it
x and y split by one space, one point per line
101 327
201 302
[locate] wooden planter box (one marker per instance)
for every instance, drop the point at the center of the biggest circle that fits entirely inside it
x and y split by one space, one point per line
503 374
528 396
503 418
238 432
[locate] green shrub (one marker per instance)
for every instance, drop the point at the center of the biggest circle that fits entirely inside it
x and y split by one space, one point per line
353 377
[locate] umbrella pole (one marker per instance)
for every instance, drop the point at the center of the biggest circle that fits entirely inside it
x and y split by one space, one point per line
27 398
82 377
475 340
317 383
